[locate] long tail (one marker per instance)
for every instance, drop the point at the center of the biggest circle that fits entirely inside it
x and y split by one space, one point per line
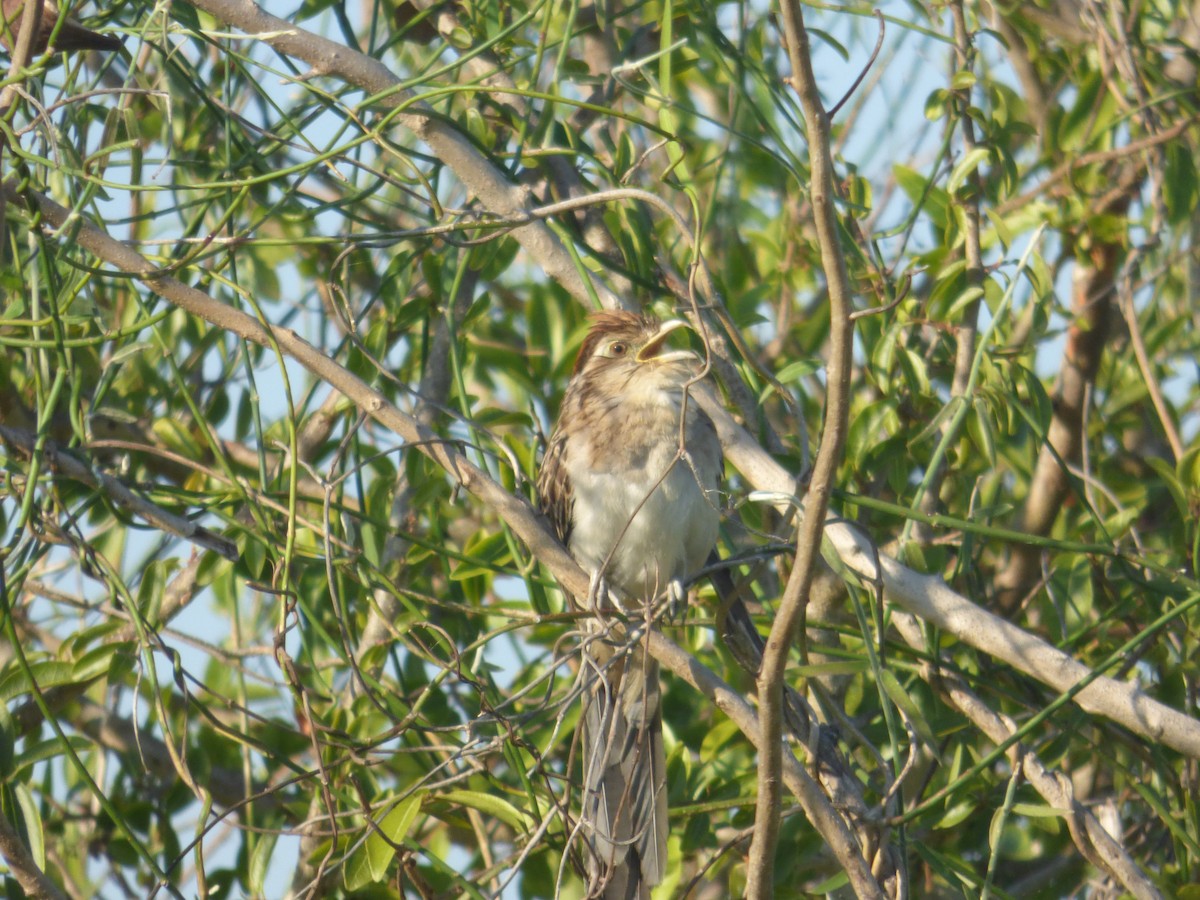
624 774
75 37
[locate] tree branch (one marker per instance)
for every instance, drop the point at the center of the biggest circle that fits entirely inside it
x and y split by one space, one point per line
805 789
1092 297
66 464
516 512
925 596
1093 841
929 598
33 880
790 617
483 179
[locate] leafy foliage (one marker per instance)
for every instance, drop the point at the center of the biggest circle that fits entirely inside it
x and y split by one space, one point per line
376 694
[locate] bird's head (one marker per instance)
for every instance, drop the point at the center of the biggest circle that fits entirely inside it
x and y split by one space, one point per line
626 345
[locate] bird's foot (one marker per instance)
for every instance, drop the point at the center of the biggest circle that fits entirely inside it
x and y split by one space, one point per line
676 599
601 601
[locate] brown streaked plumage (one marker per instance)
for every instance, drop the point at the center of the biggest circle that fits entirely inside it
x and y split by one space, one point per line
71 36
641 520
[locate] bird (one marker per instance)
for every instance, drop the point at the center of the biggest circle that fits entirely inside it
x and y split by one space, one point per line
71 36
629 482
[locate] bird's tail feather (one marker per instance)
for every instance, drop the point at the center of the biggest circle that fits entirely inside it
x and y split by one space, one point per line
625 791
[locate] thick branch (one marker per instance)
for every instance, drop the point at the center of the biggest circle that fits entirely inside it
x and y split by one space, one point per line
928 597
791 613
1091 303
1093 841
33 880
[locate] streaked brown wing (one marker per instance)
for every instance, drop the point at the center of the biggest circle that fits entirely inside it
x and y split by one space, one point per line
555 497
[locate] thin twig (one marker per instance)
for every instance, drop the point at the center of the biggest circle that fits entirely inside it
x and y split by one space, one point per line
867 68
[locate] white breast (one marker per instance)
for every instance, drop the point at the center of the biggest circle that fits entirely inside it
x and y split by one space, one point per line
640 528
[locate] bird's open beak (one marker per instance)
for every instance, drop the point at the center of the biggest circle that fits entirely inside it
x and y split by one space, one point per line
652 348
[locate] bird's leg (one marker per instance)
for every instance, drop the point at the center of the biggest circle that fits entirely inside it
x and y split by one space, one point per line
676 599
600 600
597 589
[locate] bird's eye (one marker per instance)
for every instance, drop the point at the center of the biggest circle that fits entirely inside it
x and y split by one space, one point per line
618 348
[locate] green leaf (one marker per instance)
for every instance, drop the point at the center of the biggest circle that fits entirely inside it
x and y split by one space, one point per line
980 428
996 828
829 39
484 553
799 369
716 740
963 300
370 862
933 199
936 104
963 79
152 587
34 832
914 366
260 862
902 699
1084 118
971 161
1080 592
955 815
1167 473
843 667
459 38
943 415
491 805
126 352
7 743
1181 187
1188 469
44 750
1004 234
175 436
98 661
1039 810
47 674
479 128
